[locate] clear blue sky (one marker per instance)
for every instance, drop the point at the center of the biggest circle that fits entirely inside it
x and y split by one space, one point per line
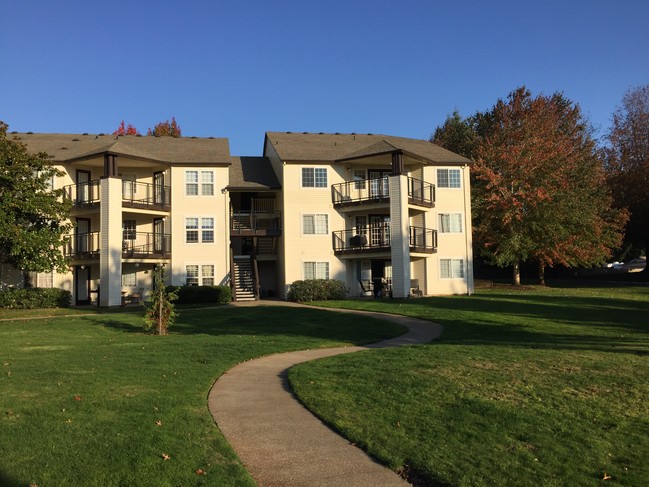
242 67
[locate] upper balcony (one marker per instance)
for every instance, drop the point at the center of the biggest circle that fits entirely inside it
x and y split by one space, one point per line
138 245
367 191
255 223
145 196
345 242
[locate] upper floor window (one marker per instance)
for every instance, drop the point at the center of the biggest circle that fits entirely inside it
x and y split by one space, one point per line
314 177
129 229
448 178
450 222
206 183
315 224
195 233
359 178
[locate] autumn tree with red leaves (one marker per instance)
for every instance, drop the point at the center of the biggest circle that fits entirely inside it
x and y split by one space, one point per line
166 129
627 160
128 130
539 191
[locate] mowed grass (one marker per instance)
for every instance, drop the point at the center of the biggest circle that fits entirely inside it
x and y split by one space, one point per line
538 387
94 401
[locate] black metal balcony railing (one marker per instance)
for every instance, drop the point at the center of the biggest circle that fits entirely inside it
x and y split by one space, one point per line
145 195
83 194
139 245
134 194
377 239
260 223
421 193
350 193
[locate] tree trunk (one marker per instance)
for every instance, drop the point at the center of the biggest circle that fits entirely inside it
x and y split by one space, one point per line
516 275
541 274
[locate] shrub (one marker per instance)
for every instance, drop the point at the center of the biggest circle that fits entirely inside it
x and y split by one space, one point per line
160 312
35 297
316 290
202 294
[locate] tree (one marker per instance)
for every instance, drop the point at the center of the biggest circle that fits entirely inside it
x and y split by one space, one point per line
166 129
128 130
539 192
457 135
627 160
32 214
161 312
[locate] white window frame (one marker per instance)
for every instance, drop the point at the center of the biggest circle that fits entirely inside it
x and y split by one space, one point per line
314 181
202 225
202 183
320 268
447 184
204 272
129 279
451 271
207 183
193 183
450 223
42 279
317 225
360 177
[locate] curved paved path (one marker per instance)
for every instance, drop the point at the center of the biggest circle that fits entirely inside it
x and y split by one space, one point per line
278 440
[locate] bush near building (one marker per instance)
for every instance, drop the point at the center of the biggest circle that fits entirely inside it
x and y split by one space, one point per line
32 298
316 290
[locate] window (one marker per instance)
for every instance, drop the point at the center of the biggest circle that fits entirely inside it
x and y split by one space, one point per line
316 270
41 279
207 275
129 279
129 186
191 229
361 225
196 234
315 224
128 230
448 178
451 268
314 177
205 278
191 183
207 183
450 223
191 273
207 230
359 179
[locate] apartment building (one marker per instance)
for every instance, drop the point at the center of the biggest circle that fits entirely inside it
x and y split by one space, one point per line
352 207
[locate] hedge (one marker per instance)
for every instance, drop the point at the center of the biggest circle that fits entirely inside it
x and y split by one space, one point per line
316 290
202 294
35 297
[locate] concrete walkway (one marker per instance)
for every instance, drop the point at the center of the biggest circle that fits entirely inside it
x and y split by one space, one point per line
278 440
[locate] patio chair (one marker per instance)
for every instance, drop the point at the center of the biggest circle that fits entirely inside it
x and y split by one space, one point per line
137 297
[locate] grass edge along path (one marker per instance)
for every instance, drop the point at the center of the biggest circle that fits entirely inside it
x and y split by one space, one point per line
540 387
94 401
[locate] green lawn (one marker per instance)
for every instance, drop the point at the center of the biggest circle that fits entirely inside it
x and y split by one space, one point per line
93 401
541 386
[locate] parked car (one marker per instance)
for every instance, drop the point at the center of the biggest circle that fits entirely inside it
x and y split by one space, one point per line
615 265
638 264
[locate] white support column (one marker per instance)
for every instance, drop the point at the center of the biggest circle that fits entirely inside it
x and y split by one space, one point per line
399 236
110 257
468 229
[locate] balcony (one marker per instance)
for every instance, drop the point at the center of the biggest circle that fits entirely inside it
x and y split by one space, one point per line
134 195
138 245
363 191
421 240
255 223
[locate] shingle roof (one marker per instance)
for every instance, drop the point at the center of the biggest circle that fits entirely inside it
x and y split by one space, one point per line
68 147
252 173
292 146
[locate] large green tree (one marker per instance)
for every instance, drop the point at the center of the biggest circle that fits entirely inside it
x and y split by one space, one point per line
628 164
32 214
539 192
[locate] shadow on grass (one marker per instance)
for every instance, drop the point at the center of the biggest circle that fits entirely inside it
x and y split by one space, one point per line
6 481
262 321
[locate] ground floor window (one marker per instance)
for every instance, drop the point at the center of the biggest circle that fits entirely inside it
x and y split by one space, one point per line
41 279
316 270
199 275
451 268
129 279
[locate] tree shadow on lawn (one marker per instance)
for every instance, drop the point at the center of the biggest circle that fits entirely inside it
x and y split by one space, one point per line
261 321
6 481
612 325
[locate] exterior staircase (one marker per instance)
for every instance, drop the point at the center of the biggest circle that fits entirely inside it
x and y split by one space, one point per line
243 278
